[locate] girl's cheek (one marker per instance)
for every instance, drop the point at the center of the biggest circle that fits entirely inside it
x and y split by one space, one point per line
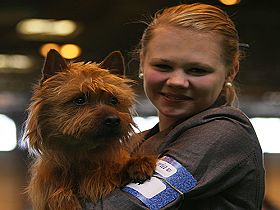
155 76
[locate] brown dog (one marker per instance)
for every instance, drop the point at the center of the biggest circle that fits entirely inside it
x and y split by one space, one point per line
78 127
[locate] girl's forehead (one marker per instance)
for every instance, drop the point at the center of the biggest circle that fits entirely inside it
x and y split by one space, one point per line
182 33
173 42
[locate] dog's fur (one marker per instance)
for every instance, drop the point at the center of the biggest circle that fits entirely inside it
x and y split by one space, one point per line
78 127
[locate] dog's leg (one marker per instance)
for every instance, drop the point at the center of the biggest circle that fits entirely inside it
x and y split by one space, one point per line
98 183
50 190
62 195
38 193
39 188
63 198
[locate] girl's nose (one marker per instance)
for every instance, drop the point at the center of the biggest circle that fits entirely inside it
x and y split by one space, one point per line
178 78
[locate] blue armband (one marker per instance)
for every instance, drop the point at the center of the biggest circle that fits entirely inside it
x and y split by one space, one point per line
169 181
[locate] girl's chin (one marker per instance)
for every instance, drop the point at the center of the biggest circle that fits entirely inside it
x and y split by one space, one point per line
174 115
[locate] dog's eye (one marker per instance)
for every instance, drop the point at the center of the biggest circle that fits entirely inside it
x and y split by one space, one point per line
114 101
81 100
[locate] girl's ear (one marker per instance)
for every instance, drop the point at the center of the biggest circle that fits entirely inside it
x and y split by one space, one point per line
54 63
233 72
114 62
141 59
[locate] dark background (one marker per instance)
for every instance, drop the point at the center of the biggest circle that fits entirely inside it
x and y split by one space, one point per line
116 25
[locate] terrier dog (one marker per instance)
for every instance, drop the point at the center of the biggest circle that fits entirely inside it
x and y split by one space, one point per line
79 128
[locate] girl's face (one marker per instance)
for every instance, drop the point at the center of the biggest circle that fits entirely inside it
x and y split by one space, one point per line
183 72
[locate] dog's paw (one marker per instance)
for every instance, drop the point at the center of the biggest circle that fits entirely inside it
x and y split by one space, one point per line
140 168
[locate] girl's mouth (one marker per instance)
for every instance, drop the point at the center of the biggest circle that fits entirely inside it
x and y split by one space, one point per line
175 97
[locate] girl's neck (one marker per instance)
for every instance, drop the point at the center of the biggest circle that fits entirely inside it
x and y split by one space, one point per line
166 122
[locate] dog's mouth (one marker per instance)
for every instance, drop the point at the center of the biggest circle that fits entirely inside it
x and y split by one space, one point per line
103 137
112 129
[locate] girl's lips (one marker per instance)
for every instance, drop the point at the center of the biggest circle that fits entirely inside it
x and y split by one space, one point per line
175 97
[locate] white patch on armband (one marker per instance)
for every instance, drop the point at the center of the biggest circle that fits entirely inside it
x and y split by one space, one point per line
169 181
150 189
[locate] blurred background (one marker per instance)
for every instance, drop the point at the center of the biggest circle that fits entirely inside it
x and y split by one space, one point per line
89 30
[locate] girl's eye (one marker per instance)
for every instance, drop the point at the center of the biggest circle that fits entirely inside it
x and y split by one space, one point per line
162 67
114 101
198 71
81 100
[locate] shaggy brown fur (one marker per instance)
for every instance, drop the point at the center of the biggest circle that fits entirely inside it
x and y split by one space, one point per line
78 125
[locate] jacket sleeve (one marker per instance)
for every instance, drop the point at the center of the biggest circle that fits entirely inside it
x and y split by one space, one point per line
118 200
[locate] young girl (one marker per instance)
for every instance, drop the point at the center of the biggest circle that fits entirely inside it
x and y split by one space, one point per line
210 157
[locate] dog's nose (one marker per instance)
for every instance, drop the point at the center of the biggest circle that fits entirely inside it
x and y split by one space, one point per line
112 121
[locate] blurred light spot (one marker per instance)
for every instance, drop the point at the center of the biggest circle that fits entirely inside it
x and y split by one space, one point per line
70 51
8 136
45 27
145 123
15 62
230 2
46 48
11 100
268 132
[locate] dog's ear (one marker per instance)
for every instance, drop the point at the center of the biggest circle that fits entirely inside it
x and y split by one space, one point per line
114 62
54 63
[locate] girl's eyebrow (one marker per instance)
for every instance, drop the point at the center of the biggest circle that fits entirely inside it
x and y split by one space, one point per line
200 65
161 60
187 64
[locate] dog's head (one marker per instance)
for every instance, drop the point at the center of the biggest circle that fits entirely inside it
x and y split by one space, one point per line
80 105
